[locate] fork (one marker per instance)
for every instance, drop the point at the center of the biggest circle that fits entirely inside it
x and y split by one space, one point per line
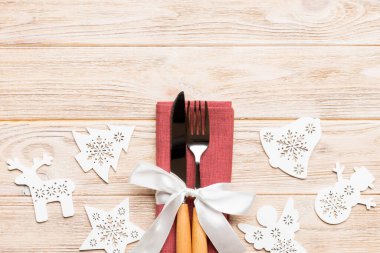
198 137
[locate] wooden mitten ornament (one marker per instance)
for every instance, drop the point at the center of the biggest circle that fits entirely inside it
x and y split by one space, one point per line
43 192
289 148
276 236
111 231
333 205
101 149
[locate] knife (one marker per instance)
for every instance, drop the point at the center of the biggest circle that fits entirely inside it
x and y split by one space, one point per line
178 167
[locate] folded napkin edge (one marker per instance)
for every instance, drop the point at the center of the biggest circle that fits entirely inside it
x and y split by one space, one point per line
210 103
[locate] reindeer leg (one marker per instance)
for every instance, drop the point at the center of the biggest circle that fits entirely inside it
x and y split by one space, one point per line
40 211
67 206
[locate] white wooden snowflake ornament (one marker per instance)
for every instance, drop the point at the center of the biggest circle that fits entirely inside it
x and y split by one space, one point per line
333 205
276 236
111 231
101 149
289 148
43 192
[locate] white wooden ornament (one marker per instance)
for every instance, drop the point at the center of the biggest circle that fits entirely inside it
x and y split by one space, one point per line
289 148
111 231
43 192
276 236
333 204
101 149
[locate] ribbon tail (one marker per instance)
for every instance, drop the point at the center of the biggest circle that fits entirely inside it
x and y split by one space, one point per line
153 240
218 230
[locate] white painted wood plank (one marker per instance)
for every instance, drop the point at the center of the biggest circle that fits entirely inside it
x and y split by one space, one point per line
126 83
197 22
353 143
20 233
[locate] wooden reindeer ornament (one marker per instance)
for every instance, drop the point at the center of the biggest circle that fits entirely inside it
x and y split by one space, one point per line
44 192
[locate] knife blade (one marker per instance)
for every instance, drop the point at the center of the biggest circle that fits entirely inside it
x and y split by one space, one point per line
178 137
178 166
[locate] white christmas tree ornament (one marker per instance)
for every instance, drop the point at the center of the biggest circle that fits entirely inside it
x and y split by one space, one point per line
43 192
333 205
276 236
101 149
289 148
111 231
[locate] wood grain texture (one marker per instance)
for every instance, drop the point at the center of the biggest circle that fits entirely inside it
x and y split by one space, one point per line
353 143
68 65
359 234
125 83
183 230
166 22
198 235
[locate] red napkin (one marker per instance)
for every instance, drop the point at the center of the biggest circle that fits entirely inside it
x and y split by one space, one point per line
216 163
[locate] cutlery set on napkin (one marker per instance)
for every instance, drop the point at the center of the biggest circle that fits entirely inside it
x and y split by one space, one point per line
192 178
190 130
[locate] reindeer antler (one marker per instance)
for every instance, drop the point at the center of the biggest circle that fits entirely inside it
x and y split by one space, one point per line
46 160
15 164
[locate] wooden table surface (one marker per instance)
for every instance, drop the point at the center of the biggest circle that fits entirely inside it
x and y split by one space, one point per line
67 65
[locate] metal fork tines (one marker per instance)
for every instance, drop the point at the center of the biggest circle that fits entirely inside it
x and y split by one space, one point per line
198 134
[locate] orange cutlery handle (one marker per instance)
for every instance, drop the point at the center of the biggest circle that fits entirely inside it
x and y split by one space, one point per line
183 231
199 238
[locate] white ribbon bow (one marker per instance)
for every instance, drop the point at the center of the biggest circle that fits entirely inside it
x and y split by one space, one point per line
210 202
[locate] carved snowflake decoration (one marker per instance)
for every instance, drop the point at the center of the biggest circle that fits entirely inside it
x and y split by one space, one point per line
119 137
121 211
268 137
288 220
95 216
258 235
333 204
101 149
284 246
51 191
111 231
62 189
310 128
292 145
134 234
40 193
349 190
298 169
275 232
93 242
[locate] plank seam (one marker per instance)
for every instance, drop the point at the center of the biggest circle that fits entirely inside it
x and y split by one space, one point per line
205 45
21 120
